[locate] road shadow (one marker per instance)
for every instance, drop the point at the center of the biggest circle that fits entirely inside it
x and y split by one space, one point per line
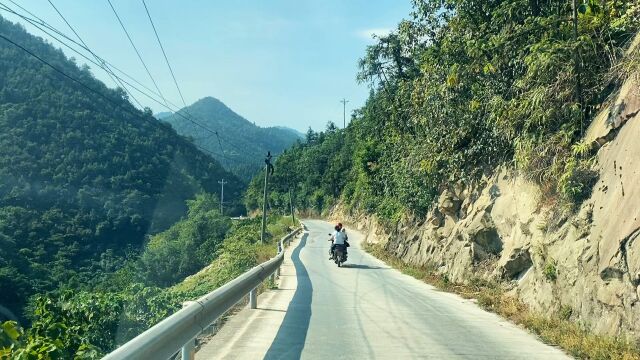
292 334
365 267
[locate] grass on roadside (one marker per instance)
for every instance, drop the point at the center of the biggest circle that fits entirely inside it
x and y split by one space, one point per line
241 251
556 329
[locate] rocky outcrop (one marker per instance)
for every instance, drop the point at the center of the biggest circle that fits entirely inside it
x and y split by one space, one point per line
588 260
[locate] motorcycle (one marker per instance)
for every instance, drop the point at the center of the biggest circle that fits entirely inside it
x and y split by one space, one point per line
339 254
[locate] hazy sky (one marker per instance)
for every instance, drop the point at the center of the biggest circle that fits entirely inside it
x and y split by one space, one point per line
274 62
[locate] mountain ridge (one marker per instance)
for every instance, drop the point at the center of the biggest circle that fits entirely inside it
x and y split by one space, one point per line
242 145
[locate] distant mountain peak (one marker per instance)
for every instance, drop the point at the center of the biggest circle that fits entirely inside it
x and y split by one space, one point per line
213 110
243 142
209 100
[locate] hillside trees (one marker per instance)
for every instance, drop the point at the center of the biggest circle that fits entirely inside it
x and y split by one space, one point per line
82 176
461 87
186 247
87 324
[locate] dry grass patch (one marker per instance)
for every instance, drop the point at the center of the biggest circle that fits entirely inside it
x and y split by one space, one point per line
556 329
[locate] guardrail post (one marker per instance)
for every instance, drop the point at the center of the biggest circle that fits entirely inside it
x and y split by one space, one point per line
253 299
188 350
277 273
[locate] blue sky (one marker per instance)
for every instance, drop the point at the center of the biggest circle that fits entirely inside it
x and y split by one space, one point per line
274 62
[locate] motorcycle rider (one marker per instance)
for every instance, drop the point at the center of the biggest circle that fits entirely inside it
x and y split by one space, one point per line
346 237
339 237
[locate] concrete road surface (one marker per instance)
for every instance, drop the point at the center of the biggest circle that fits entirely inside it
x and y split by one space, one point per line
364 310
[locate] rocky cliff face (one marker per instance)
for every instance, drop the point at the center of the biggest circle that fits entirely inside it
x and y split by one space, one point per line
588 261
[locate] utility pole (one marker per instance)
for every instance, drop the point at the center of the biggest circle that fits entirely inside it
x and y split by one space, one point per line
344 112
222 195
293 216
268 167
264 204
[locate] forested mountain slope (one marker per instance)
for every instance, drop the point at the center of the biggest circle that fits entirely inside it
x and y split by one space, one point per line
245 144
83 179
460 91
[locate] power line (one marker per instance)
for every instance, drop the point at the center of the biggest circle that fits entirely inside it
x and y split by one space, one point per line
102 60
135 113
83 85
60 71
78 36
136 49
47 25
106 68
166 59
223 154
104 63
33 22
163 52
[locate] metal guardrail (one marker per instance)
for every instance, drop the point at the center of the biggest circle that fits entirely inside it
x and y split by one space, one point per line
179 330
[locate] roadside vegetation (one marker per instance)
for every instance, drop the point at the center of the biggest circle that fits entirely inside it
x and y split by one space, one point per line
205 247
555 329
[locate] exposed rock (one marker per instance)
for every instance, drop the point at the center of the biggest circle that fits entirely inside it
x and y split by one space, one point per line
611 273
482 231
479 253
489 239
459 190
449 203
632 257
435 218
518 262
611 294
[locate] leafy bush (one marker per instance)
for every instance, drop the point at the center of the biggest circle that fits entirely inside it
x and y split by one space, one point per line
565 312
577 181
549 271
187 246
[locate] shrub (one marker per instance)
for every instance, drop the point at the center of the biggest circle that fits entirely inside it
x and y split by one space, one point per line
565 312
576 181
550 272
